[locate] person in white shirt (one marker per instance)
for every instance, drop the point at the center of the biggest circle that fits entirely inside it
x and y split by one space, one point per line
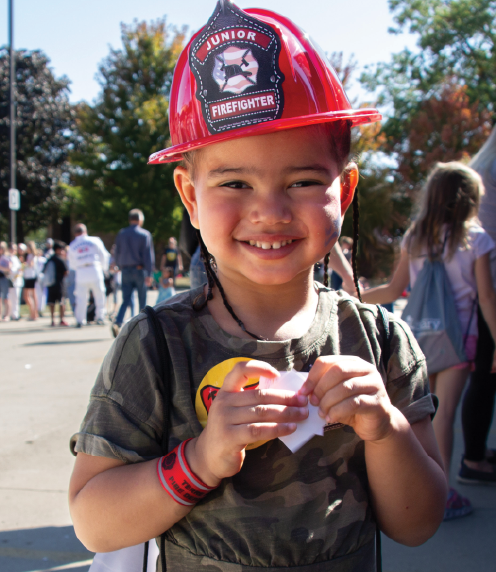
90 259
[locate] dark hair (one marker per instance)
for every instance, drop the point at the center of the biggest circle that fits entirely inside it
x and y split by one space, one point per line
59 245
338 133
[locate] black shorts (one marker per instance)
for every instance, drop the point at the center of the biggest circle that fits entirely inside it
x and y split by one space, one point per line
54 294
29 283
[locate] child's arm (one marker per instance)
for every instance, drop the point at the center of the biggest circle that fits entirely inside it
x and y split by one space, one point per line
115 505
338 263
404 467
487 297
392 290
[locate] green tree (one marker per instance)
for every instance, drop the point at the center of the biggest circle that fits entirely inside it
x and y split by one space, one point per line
457 46
126 124
439 99
456 39
45 125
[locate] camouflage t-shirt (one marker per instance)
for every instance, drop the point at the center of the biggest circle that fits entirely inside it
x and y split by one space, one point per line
281 509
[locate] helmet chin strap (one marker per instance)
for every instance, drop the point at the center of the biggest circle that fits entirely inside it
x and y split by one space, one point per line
213 279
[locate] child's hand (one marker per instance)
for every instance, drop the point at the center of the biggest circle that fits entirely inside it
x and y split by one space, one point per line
238 418
350 390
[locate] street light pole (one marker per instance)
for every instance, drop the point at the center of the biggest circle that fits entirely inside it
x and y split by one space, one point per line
13 230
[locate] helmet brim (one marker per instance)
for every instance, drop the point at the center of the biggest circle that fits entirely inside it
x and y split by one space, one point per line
355 116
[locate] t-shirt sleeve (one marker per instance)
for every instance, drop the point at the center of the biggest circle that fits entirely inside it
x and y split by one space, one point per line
124 419
407 380
482 242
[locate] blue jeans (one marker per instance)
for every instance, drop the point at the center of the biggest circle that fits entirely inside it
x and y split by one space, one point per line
336 280
4 288
132 279
197 272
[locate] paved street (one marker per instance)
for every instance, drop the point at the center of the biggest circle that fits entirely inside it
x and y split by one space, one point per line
45 379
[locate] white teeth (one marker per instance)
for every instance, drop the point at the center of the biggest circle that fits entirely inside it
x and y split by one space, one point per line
269 245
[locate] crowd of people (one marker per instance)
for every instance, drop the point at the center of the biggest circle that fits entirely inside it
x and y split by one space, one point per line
85 276
22 268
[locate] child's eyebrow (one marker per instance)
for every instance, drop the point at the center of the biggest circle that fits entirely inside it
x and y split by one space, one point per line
314 167
254 171
233 170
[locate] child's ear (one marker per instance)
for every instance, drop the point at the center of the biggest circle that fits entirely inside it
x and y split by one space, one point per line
186 189
349 182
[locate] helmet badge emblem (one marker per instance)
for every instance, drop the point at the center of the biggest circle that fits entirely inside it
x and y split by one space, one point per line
235 62
235 70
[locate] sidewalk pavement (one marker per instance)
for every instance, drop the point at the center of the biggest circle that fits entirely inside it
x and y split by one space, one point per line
45 380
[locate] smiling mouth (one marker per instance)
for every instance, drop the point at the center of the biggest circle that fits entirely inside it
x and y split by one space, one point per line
268 245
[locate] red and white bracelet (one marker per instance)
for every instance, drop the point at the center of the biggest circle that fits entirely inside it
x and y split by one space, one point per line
178 480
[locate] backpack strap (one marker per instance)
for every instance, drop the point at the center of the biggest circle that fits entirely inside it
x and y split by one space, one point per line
386 348
386 354
165 365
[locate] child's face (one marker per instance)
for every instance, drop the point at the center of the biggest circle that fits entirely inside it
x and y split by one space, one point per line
279 191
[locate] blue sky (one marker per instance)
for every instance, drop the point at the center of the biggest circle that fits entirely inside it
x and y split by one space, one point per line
76 35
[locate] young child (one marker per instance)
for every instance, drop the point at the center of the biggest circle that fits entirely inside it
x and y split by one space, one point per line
447 226
263 127
55 291
166 285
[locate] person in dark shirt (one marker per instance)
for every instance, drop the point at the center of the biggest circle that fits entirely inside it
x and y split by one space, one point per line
135 257
171 258
55 290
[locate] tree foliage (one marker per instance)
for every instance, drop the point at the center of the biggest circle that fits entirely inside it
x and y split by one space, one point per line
448 86
447 127
44 125
127 123
439 99
457 39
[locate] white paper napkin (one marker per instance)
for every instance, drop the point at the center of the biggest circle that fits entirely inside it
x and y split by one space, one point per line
312 425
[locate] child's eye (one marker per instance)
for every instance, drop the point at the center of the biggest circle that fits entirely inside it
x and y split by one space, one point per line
300 184
235 185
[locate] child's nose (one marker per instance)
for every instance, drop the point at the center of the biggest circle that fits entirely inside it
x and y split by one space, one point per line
271 210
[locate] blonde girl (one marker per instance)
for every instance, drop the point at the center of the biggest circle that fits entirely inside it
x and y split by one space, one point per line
448 224
30 275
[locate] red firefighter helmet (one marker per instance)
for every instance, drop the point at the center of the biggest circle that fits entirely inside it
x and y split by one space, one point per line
250 72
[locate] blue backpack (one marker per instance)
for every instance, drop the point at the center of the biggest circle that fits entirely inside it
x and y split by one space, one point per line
432 317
